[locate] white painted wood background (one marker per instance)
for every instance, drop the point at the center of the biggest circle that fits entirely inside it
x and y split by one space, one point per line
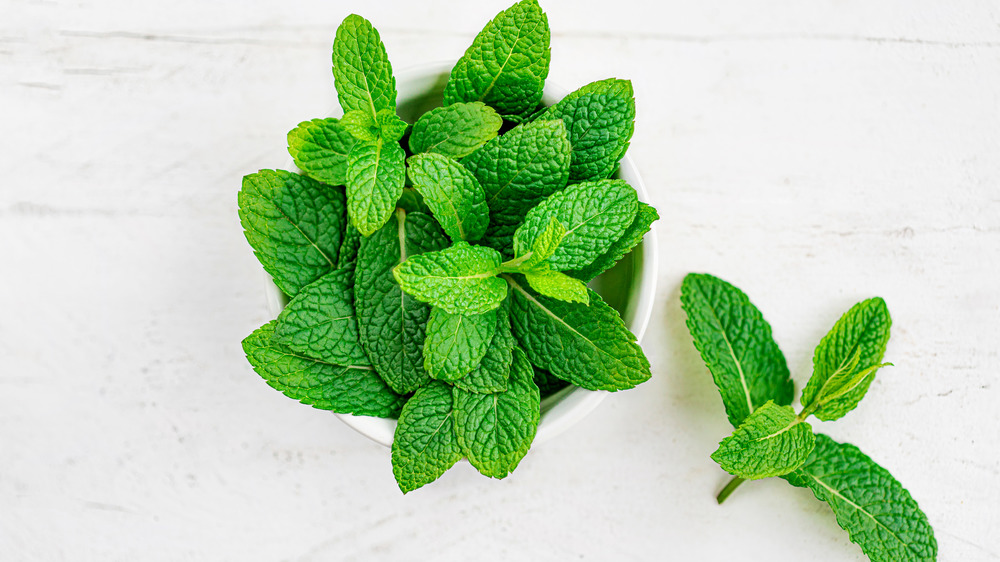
813 153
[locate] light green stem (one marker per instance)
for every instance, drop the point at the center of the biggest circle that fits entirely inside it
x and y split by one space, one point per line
729 489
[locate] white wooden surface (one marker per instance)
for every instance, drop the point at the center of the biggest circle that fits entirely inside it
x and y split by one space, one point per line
814 153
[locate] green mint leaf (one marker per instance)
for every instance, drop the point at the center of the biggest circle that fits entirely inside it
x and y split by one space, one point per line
349 248
391 127
544 246
361 125
452 193
846 360
600 118
460 279
320 321
507 63
425 445
493 371
361 69
354 389
294 225
557 285
320 148
391 323
588 346
456 130
595 214
375 175
495 430
517 170
873 507
633 235
735 343
457 343
770 442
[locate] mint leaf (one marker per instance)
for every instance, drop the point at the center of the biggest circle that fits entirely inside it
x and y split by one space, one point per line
452 193
391 323
633 235
770 442
456 130
544 246
391 128
361 125
461 279
595 214
349 248
600 118
493 371
846 360
588 346
352 389
507 63
425 445
517 170
736 344
495 430
375 177
293 224
456 343
873 507
557 285
320 322
320 148
361 69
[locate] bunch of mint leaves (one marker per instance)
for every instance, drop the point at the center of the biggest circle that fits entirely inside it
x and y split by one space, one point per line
437 272
772 440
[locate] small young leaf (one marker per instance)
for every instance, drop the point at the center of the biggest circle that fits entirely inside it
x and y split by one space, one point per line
735 343
846 360
457 130
600 118
361 69
770 442
320 322
456 343
320 148
873 507
375 176
493 371
633 235
354 389
495 430
595 214
452 193
391 127
361 125
588 346
425 444
461 279
544 246
507 63
294 225
557 285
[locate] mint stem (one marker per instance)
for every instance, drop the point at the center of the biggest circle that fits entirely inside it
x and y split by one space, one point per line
729 489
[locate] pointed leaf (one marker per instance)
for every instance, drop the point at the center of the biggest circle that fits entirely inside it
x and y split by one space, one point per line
361 69
456 343
456 130
320 148
770 442
557 285
460 279
493 371
452 193
375 176
425 444
633 235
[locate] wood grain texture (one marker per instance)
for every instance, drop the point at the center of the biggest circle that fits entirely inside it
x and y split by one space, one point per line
814 154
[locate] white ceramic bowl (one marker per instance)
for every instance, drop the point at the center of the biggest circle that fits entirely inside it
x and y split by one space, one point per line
630 287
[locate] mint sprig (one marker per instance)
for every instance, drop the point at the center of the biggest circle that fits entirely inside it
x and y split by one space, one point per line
770 439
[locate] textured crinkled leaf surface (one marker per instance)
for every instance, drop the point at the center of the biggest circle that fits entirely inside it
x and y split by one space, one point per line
600 118
391 323
294 225
343 389
361 69
456 343
641 224
735 343
587 345
319 321
544 245
425 445
452 193
456 130
872 506
846 359
495 430
376 173
493 371
320 148
595 214
349 248
361 125
460 279
391 127
770 442
557 285
507 63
